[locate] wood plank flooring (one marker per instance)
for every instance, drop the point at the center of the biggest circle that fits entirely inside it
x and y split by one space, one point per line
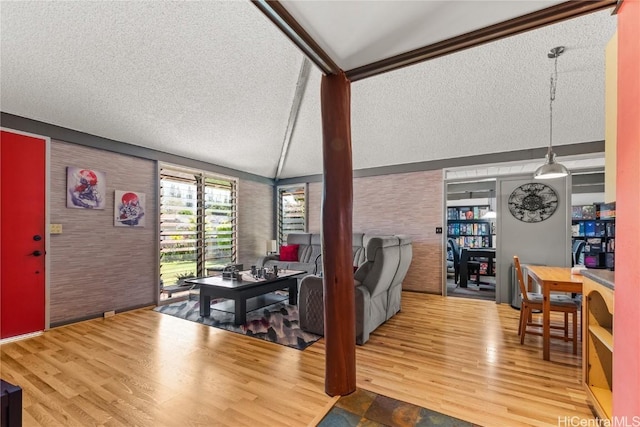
458 356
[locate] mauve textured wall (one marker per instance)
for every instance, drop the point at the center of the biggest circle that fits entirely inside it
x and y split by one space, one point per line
407 203
255 220
94 266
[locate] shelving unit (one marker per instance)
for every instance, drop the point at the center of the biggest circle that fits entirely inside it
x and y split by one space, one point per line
598 345
595 225
466 225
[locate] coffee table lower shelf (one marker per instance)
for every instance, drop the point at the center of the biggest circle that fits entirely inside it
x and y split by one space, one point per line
253 304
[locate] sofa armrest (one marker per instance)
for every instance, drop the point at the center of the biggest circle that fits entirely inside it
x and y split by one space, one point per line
260 262
363 302
311 305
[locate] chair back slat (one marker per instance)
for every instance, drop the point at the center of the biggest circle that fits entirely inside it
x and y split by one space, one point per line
523 288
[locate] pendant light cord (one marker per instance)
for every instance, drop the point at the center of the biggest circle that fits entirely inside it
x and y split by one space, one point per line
552 97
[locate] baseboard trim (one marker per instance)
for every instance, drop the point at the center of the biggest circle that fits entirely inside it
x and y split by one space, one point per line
100 315
21 337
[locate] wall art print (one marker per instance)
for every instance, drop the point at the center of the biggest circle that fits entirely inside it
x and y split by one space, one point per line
86 188
129 209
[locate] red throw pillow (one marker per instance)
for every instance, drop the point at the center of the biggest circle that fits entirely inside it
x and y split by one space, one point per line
289 252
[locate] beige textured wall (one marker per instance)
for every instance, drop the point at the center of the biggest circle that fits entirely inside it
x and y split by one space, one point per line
408 203
94 266
255 220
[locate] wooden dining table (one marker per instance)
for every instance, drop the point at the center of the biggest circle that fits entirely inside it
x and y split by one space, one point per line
552 279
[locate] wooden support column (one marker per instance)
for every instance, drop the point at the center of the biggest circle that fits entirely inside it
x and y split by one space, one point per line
337 209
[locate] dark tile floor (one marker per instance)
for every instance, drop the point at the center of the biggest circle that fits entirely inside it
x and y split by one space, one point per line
364 408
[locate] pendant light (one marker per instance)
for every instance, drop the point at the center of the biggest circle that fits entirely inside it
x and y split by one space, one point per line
551 169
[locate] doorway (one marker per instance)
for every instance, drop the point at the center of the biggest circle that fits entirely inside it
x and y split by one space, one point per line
471 239
24 237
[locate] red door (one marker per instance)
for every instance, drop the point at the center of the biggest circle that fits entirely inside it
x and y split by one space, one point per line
22 234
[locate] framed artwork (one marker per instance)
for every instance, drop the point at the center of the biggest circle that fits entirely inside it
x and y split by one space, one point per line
129 209
86 188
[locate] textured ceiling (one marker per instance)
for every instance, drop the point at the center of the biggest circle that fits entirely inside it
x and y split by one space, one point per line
489 99
215 81
356 33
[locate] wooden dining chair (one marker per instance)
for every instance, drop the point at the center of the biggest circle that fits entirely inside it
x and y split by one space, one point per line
532 301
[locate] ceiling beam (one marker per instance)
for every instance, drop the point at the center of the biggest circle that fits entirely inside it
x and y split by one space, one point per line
541 18
292 29
303 78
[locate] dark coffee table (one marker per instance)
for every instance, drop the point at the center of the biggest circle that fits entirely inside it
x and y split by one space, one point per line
247 294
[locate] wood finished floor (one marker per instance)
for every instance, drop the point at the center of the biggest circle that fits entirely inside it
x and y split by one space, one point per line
458 356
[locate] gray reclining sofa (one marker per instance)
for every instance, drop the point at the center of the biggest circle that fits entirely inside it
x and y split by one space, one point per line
309 251
378 285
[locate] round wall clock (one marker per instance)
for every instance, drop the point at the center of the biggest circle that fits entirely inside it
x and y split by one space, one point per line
533 202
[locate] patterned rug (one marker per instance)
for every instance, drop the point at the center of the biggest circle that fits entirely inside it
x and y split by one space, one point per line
365 408
276 323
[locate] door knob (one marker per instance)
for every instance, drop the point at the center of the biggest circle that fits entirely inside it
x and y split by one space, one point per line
36 253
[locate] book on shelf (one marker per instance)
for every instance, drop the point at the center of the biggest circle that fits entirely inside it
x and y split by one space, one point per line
601 228
594 245
483 211
476 212
576 212
610 229
484 266
589 212
465 213
590 228
575 230
609 261
611 245
607 211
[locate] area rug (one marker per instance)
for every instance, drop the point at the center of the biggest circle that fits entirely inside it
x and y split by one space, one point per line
277 323
365 408
473 291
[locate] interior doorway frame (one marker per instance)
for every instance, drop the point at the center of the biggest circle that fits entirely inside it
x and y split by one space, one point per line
445 184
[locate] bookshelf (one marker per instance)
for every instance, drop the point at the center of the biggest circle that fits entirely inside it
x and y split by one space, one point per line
596 226
466 226
597 345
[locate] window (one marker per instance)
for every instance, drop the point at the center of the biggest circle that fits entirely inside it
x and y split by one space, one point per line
197 223
292 211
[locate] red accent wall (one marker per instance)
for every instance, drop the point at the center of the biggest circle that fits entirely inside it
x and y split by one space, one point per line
626 351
